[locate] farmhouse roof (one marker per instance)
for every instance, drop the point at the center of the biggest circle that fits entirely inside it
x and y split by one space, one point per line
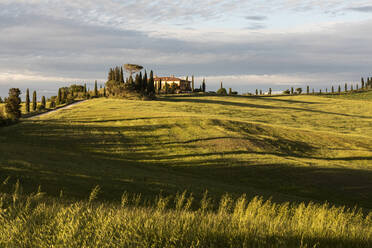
168 79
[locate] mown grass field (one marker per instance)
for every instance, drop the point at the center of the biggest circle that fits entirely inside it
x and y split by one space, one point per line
289 148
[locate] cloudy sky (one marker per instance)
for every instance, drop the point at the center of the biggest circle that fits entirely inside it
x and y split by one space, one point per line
247 44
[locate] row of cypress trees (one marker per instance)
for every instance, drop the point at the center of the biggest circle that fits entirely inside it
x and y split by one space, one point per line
34 102
365 85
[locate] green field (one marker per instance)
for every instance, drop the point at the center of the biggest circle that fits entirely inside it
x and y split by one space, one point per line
294 148
288 148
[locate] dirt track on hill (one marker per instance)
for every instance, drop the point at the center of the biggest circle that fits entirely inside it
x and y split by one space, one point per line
56 110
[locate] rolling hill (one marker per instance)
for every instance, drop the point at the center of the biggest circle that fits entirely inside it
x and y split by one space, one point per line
290 148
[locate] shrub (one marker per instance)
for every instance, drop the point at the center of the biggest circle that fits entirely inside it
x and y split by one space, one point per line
287 92
222 92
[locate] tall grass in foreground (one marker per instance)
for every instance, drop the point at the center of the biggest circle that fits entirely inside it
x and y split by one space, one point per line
31 221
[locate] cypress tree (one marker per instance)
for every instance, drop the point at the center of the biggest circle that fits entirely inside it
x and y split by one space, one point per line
95 89
307 90
13 104
351 88
203 85
260 92
345 87
138 82
159 86
34 101
117 74
357 86
320 91
326 90
121 77
313 91
111 75
104 91
43 102
59 97
339 89
27 101
230 91
150 85
144 82
85 88
333 89
270 91
292 91
221 85
362 81
192 83
256 92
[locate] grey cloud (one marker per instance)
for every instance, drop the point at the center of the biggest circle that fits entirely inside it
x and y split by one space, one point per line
256 26
256 18
365 9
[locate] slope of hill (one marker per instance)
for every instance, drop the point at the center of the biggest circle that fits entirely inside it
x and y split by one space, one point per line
294 148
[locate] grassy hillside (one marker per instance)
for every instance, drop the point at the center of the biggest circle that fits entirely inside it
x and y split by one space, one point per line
292 148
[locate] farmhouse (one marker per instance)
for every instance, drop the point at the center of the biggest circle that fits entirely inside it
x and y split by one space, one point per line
181 84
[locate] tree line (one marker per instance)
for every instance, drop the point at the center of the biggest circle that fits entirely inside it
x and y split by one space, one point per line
65 95
341 89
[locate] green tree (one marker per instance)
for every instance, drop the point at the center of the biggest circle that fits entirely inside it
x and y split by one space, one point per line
28 101
1 100
339 89
132 68
159 86
333 89
222 91
351 88
137 83
307 90
121 78
292 91
43 102
144 82
192 83
299 91
362 81
34 101
345 87
59 97
13 104
270 91
95 89
256 92
203 85
150 85
230 91
104 91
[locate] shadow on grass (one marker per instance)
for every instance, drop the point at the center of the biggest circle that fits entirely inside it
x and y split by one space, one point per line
251 105
75 158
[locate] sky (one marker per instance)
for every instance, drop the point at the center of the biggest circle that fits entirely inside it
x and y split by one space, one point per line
246 44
